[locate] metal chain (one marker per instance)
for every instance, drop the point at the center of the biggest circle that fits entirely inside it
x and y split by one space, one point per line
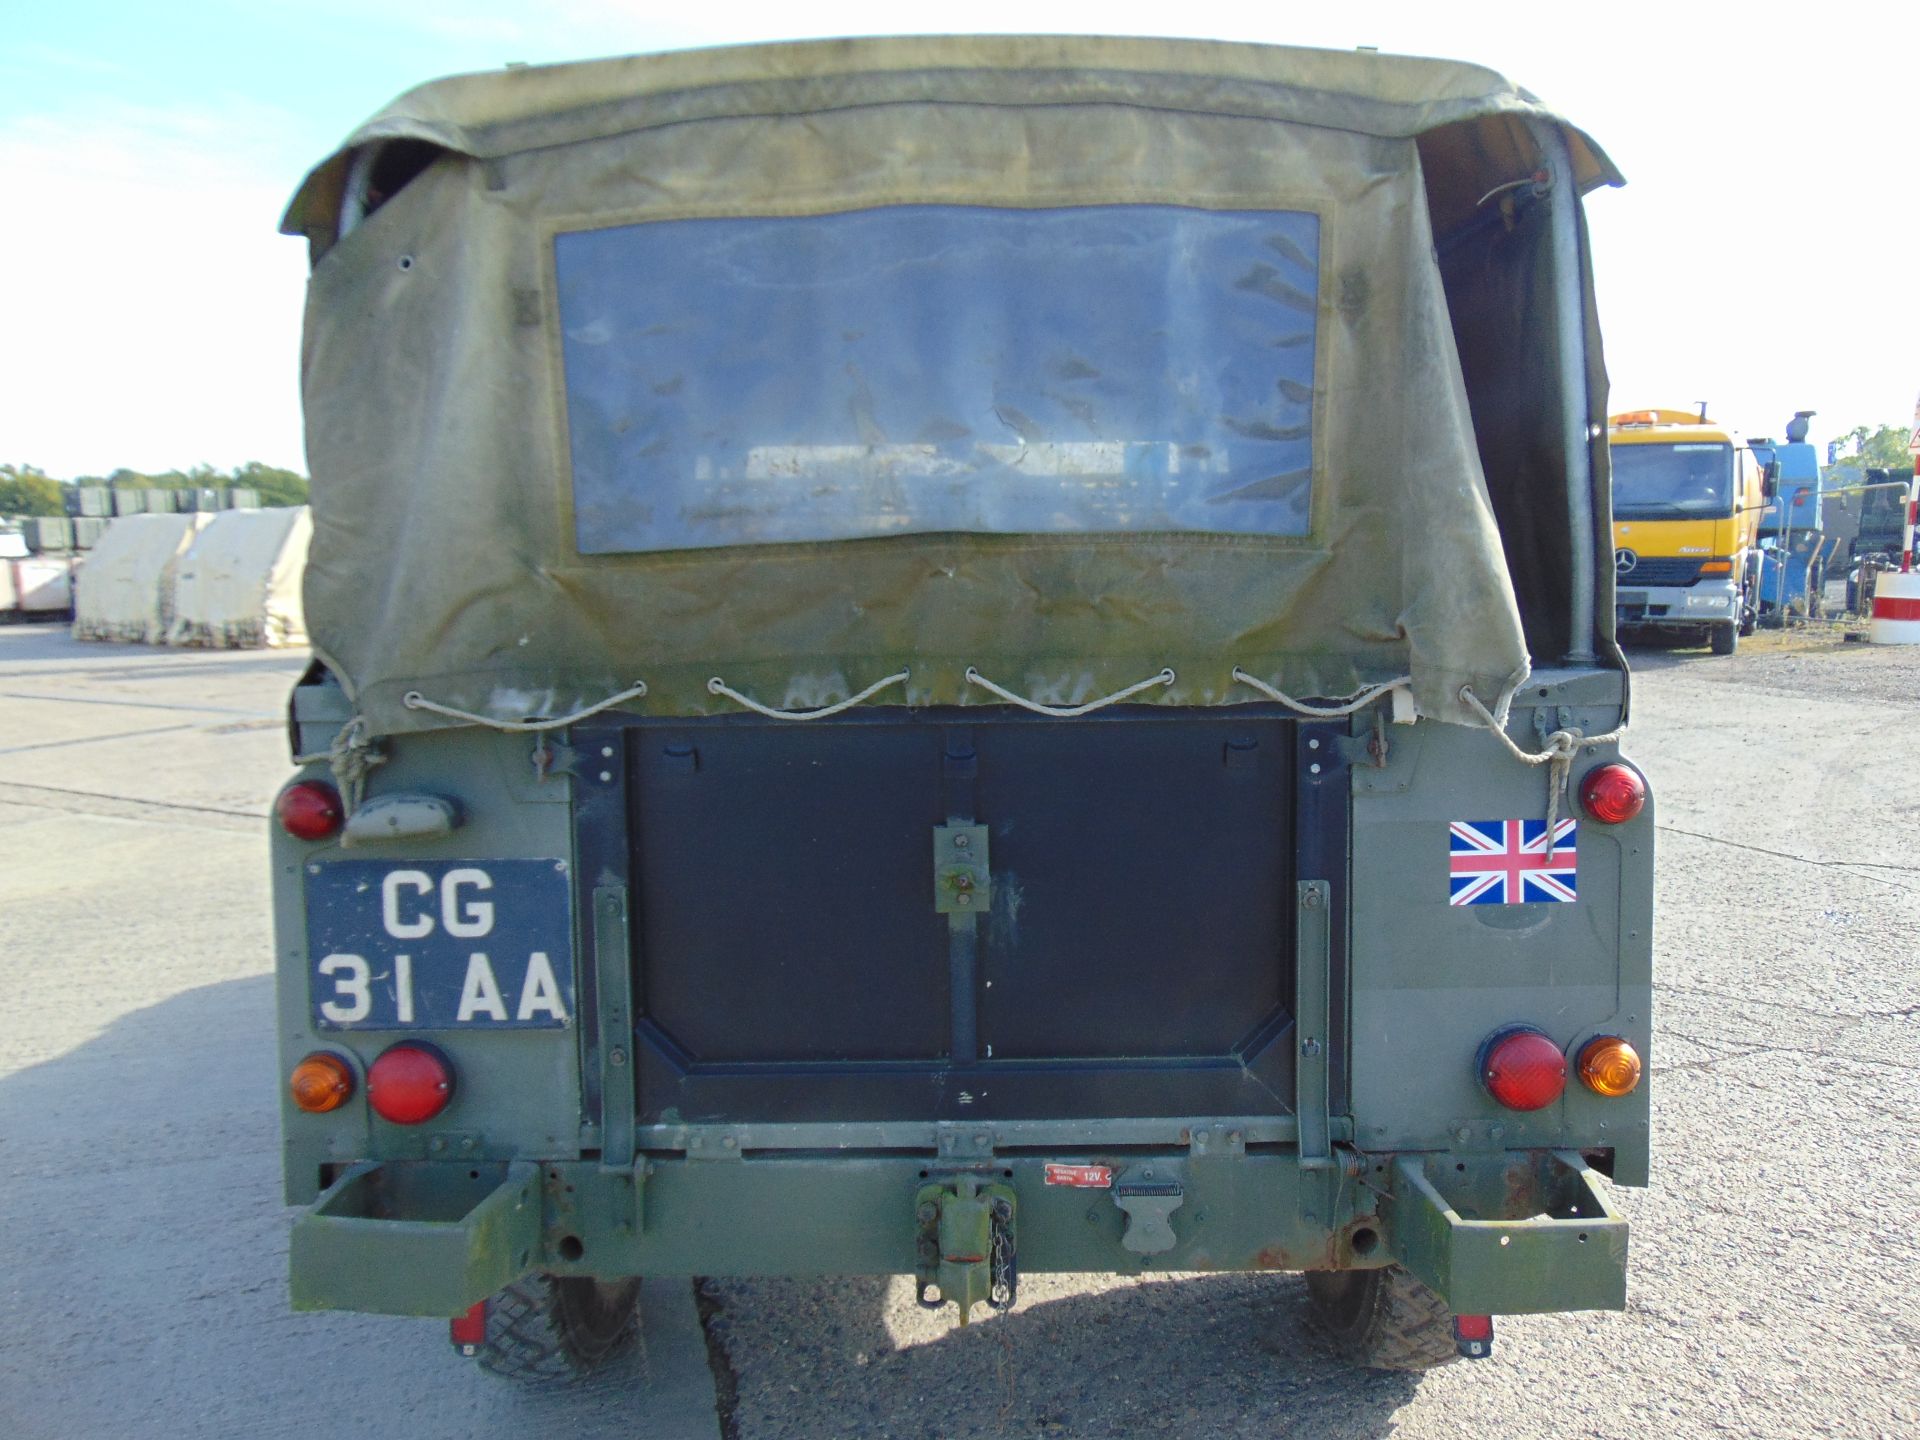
1003 1274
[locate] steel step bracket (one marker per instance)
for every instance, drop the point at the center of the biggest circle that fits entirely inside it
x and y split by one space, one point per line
1513 1234
469 1235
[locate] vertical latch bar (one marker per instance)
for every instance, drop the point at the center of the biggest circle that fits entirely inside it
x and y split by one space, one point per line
613 972
1312 928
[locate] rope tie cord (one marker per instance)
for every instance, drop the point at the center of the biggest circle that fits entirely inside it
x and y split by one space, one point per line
717 686
414 700
1562 746
1068 712
1359 701
352 757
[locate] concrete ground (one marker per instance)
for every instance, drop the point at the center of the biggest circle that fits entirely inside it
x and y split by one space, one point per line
142 1240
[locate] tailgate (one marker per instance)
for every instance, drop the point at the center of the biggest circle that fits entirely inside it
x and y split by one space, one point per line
1131 953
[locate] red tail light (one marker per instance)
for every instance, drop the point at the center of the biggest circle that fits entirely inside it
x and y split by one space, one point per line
469 1331
310 810
409 1083
1613 794
1523 1069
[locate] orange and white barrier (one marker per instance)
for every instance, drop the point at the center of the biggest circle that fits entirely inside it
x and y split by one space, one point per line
1896 609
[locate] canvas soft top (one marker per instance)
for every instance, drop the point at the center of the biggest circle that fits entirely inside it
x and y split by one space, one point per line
455 557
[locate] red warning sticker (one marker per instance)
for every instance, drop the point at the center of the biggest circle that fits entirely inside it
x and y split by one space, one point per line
1081 1177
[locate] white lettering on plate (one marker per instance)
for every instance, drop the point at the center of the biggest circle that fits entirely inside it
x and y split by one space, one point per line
403 989
350 974
420 883
481 992
476 918
542 990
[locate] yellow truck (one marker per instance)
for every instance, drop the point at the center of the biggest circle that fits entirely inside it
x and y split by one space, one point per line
1687 498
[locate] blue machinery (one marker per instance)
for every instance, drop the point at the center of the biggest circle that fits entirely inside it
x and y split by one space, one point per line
1789 569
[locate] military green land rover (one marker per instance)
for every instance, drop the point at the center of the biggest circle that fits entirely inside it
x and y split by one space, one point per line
955 657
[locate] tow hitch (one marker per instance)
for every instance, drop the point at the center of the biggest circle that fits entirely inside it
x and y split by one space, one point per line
965 1245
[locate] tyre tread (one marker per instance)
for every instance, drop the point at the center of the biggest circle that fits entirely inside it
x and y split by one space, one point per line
1397 1324
542 1330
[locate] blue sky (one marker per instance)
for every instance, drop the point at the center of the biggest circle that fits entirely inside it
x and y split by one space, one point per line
151 313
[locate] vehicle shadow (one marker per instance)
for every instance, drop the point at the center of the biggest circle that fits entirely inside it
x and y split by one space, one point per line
143 1184
1189 1356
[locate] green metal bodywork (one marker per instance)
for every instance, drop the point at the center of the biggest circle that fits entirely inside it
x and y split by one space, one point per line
1497 1211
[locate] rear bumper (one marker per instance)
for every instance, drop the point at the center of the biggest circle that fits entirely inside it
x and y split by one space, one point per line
1496 1234
1710 602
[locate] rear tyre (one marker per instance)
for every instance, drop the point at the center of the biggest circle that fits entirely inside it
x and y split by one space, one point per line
550 1329
1726 638
1383 1319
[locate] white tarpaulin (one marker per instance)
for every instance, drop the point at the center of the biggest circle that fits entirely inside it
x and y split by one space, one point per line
126 589
37 585
239 586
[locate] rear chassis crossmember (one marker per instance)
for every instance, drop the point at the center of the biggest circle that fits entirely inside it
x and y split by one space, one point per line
1505 1233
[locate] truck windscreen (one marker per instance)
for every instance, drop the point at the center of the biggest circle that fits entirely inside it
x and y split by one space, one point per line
1668 482
925 368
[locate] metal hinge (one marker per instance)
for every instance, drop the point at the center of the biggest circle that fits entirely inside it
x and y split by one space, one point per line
962 881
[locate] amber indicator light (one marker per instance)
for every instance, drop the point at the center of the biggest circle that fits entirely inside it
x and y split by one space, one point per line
1610 1066
320 1083
1613 794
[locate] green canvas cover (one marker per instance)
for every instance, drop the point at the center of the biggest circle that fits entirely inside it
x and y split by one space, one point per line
446 421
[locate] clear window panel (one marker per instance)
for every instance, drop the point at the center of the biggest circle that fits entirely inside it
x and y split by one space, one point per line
921 368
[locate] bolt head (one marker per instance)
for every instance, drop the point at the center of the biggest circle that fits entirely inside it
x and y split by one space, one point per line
966 900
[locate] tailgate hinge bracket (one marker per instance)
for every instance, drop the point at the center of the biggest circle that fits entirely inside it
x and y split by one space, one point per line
612 952
1313 929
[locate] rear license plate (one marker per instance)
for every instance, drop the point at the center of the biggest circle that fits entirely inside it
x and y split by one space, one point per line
440 944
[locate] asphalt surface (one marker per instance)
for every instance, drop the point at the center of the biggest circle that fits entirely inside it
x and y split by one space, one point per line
1775 1286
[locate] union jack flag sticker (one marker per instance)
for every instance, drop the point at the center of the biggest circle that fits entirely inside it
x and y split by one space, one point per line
1508 862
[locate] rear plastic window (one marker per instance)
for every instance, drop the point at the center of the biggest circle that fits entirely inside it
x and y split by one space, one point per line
939 368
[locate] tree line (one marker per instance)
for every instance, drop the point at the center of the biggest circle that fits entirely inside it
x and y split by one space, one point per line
1885 447
29 490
